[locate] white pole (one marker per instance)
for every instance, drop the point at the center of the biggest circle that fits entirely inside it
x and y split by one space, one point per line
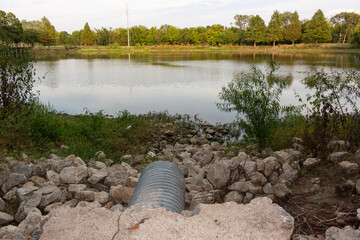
127 23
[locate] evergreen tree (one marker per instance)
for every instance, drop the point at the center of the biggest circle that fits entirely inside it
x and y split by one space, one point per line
318 29
293 28
274 30
256 30
87 36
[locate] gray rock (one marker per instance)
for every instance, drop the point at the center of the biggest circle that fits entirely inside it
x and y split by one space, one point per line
268 188
287 168
117 207
101 197
13 180
239 186
215 146
98 176
31 223
203 157
10 229
308 163
100 155
289 176
31 202
339 156
249 167
5 218
53 176
2 205
254 189
4 173
358 213
74 188
206 185
281 190
260 165
117 178
233 196
303 237
269 165
286 219
78 162
52 206
37 180
22 168
282 156
132 181
201 197
258 179
248 197
350 167
347 233
71 203
15 236
36 235
73 174
24 192
85 195
357 186
218 175
121 194
99 165
338 146
55 196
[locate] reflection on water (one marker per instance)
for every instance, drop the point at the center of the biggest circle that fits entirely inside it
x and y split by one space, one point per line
178 82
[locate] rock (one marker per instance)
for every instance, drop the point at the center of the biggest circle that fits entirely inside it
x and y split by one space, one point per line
239 186
17 236
11 195
287 168
22 168
308 163
132 172
254 189
36 235
282 156
126 158
47 188
249 167
132 181
85 195
100 155
2 205
4 173
31 223
117 178
248 197
260 165
218 175
37 180
71 203
99 165
5 218
289 176
348 233
8 230
98 176
73 174
357 186
74 188
30 203
121 194
338 146
215 146
53 176
13 180
258 179
269 165
101 197
117 207
24 192
233 196
358 213
78 162
281 190
206 185
55 196
339 156
52 206
303 237
349 167
201 197
268 188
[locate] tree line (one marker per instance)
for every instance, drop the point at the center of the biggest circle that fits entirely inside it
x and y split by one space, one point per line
284 28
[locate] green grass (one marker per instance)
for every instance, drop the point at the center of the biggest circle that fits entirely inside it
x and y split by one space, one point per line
38 131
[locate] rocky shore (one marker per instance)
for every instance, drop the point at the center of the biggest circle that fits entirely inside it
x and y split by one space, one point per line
33 191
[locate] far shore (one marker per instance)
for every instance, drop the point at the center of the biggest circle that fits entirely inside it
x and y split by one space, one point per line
297 48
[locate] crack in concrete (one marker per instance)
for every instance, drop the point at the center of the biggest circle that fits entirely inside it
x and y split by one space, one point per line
118 227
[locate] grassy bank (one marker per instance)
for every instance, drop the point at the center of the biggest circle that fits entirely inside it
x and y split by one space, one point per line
326 47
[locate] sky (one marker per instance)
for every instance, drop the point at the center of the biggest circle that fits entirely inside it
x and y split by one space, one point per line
71 15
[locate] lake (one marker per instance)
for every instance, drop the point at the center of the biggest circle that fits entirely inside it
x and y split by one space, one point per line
177 82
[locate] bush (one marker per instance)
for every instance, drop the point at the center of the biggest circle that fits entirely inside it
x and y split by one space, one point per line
255 96
16 78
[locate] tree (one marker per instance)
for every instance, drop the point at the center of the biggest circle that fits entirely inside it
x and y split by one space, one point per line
11 29
356 39
256 30
87 36
344 24
213 34
293 28
317 29
64 38
48 34
31 32
274 30
102 37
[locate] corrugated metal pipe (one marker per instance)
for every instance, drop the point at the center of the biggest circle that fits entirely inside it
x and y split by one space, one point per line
161 184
